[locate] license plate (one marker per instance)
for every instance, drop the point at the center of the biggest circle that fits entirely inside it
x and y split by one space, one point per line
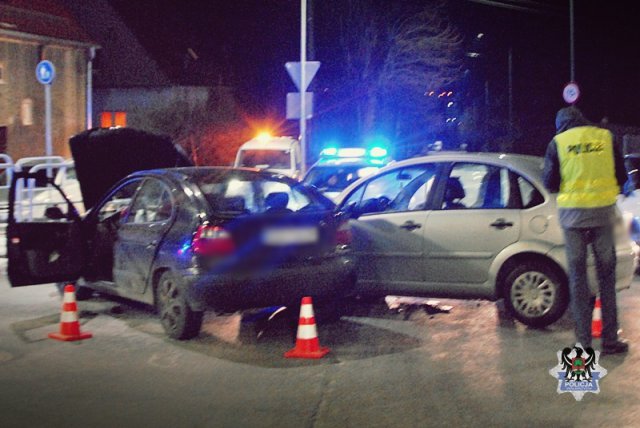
290 235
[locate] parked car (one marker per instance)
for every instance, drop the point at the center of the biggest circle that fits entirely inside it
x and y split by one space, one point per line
338 168
629 203
467 225
184 239
276 154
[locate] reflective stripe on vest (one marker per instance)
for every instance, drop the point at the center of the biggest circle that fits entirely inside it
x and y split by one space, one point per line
587 168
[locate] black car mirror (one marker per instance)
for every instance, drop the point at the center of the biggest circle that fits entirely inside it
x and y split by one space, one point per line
349 210
54 213
373 205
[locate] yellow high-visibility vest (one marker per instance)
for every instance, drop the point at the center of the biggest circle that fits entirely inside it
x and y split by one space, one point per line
587 168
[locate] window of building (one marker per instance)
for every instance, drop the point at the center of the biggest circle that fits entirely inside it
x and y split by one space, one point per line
26 112
110 119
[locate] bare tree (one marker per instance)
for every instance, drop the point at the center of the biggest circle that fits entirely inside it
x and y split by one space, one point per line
394 52
210 130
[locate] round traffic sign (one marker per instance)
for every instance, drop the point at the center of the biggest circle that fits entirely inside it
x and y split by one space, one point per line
45 72
571 93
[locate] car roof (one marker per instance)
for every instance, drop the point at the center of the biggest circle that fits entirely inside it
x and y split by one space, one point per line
342 162
528 165
275 143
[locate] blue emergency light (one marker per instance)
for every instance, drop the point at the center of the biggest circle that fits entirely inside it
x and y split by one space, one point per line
378 152
329 151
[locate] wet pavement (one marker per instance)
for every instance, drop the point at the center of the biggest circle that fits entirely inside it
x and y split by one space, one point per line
410 366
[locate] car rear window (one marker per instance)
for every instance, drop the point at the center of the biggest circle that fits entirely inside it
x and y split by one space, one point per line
244 193
274 159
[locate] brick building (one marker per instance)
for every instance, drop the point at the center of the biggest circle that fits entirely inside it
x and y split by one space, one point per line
30 31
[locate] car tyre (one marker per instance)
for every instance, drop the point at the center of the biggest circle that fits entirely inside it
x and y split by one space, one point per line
331 311
178 319
535 294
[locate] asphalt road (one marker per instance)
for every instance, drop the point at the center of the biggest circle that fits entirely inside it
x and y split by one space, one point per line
472 366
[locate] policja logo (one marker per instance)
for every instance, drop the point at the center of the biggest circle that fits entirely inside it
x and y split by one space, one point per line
578 371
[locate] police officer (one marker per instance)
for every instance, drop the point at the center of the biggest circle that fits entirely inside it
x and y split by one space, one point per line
586 169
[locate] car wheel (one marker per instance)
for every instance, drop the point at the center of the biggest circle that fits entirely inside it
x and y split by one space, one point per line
535 294
178 319
331 311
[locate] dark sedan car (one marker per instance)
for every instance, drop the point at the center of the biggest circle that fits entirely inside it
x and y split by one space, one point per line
189 239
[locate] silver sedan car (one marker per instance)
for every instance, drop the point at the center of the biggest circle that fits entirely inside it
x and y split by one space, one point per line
468 225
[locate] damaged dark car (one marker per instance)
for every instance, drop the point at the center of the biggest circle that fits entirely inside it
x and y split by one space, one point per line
182 238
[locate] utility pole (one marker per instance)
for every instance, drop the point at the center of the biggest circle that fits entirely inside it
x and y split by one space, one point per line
303 78
511 96
311 50
572 52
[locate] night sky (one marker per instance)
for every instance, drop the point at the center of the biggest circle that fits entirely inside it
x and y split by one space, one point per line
247 43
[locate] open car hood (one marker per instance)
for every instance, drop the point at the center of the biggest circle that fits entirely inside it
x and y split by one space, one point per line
104 156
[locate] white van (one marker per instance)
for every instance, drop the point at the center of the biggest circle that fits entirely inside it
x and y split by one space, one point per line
277 154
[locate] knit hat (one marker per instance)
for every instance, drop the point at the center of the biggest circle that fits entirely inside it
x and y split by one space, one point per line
569 117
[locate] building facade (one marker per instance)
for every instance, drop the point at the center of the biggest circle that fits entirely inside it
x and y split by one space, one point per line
31 31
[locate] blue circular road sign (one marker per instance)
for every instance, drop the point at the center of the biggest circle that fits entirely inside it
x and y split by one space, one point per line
45 72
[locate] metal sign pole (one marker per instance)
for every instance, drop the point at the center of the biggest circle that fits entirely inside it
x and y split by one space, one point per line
47 127
46 73
47 120
303 78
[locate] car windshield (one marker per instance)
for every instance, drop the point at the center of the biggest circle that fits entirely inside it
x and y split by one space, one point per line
236 192
278 159
336 178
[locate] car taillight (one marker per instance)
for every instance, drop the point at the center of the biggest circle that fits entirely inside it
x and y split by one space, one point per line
212 241
343 234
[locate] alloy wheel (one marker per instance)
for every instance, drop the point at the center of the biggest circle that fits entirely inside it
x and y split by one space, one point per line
172 306
533 294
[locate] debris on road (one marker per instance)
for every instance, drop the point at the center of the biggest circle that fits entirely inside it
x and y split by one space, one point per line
409 305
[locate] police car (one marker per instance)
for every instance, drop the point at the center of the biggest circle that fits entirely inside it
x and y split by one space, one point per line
337 168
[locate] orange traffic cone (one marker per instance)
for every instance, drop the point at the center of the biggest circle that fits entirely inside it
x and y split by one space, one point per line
307 343
69 325
596 323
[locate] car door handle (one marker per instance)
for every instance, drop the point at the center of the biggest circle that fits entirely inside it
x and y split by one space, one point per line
409 225
501 224
152 244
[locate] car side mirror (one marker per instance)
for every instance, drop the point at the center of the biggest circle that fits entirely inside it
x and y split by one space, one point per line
349 211
54 213
372 205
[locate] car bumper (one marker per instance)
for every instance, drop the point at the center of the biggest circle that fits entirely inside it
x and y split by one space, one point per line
333 277
626 263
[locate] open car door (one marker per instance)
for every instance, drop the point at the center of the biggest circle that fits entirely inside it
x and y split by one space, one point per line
44 243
